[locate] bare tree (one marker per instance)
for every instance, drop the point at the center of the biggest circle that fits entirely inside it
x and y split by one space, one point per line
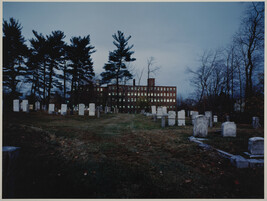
151 68
251 43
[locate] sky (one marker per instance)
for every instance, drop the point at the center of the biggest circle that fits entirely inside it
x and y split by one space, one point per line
174 33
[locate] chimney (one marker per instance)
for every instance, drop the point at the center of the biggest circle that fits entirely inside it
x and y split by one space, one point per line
133 82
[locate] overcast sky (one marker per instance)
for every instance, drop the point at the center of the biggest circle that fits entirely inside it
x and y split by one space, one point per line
176 33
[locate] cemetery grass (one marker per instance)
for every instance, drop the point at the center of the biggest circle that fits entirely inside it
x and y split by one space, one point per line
121 156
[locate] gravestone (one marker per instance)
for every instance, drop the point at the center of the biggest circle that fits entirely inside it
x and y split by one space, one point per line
208 114
171 118
37 105
25 106
30 106
81 109
159 112
153 109
190 113
63 110
91 109
164 110
256 145
194 114
181 118
228 129
163 121
51 108
215 119
106 109
16 105
200 128
98 112
255 122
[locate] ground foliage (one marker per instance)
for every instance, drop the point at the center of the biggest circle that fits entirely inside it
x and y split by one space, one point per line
121 156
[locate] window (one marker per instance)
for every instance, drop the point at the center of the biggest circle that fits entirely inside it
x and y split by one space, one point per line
138 94
141 94
160 94
164 89
132 99
170 89
101 89
170 100
173 100
167 89
165 100
167 94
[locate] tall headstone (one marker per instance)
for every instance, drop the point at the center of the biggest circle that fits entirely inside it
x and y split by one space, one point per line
106 109
181 118
200 128
81 109
91 109
228 129
256 145
163 121
51 108
153 109
25 106
255 122
208 114
16 105
159 112
215 118
164 110
63 110
171 118
37 105
194 114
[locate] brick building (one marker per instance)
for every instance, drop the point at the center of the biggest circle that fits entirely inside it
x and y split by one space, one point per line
133 98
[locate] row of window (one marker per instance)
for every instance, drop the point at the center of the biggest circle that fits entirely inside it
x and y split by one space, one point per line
145 88
143 94
138 107
165 100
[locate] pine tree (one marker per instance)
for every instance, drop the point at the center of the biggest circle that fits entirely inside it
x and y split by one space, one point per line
82 72
116 68
14 56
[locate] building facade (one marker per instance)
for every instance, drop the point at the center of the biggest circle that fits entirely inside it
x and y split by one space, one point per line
133 98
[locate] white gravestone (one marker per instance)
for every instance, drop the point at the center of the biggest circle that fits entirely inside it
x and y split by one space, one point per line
208 114
154 109
81 109
200 128
228 129
171 118
63 110
159 112
194 114
164 110
25 106
51 108
215 119
16 105
256 145
181 118
37 105
91 109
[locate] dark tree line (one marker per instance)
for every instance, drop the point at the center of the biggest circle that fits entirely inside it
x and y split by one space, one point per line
52 67
235 72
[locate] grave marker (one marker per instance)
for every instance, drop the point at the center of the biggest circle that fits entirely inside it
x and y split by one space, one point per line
91 109
153 109
16 105
63 110
171 118
200 128
256 145
81 109
181 118
25 106
228 129
51 108
208 115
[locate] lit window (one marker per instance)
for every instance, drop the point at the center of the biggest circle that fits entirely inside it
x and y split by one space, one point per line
167 94
160 94
152 100
135 94
164 94
101 89
170 100
138 94
141 94
173 100
129 94
132 99
167 89
170 89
